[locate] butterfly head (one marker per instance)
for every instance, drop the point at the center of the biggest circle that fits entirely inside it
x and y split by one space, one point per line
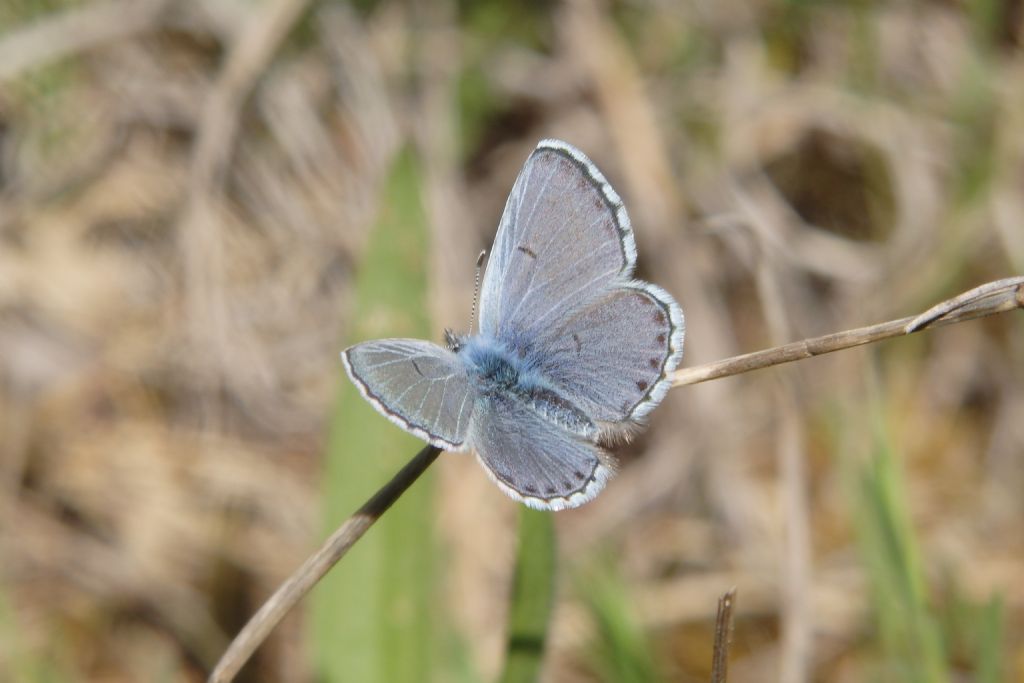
453 341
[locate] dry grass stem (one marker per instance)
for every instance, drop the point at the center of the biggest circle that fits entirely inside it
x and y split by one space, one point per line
969 298
795 553
73 31
202 242
313 569
723 637
1008 295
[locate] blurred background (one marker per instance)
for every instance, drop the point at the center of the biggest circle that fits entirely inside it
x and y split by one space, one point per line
203 201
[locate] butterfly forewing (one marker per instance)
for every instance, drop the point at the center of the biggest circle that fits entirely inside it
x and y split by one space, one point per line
563 239
419 386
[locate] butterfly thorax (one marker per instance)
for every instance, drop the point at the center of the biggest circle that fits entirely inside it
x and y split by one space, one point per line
498 373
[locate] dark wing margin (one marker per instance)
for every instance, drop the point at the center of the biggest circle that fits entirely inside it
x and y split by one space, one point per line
419 386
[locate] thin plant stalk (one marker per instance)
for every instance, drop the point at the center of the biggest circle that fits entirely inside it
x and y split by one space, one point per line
313 569
723 637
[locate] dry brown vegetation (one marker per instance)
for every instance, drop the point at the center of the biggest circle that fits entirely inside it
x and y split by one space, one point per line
186 190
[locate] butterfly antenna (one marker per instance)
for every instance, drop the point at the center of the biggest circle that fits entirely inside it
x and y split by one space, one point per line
476 288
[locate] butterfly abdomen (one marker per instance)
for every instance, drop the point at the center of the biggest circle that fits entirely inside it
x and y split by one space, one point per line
554 408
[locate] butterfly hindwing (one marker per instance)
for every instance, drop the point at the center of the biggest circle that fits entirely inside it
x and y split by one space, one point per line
614 356
534 460
419 386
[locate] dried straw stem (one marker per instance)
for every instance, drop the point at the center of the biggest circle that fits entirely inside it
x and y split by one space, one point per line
313 569
723 637
993 297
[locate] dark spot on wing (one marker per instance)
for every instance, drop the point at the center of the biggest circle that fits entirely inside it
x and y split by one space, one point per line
566 485
413 361
530 488
579 344
659 317
654 363
526 250
550 490
660 338
600 203
641 385
579 475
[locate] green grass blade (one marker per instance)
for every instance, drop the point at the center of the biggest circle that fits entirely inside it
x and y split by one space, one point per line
533 594
621 651
920 638
20 663
975 631
989 647
373 616
909 631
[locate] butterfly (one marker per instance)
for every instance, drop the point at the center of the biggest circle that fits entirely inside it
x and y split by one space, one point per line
571 350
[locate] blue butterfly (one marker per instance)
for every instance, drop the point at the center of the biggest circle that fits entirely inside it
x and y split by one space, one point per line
571 349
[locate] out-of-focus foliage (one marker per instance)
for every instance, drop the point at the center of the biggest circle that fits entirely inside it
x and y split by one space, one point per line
532 598
375 617
620 650
203 201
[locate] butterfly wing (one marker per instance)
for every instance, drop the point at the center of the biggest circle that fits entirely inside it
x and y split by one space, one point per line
535 461
564 237
421 387
615 356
